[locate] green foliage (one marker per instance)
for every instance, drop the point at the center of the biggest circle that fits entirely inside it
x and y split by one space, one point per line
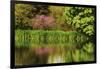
24 13
81 18
58 13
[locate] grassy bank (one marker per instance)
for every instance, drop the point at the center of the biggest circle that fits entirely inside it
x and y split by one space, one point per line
27 37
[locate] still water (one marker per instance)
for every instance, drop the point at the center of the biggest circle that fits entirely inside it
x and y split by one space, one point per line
54 53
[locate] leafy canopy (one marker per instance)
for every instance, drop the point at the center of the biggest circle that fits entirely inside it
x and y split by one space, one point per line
81 18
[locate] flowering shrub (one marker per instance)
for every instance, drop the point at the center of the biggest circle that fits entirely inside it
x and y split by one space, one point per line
43 22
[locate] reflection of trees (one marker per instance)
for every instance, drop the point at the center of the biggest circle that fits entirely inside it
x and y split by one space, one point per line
28 56
44 54
86 53
89 47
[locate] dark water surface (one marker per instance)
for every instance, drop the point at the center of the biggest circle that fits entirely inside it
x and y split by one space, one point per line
54 53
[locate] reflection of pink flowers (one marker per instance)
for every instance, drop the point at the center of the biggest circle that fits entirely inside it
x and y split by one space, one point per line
43 22
43 51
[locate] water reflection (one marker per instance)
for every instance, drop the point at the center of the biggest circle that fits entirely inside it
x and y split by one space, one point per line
53 53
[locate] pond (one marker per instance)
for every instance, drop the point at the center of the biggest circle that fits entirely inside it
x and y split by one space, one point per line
54 53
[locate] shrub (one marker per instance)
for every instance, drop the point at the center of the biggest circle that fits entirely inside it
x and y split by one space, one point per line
43 22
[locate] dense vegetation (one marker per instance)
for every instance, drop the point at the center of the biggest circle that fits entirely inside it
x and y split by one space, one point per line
65 19
81 18
53 34
24 13
29 37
